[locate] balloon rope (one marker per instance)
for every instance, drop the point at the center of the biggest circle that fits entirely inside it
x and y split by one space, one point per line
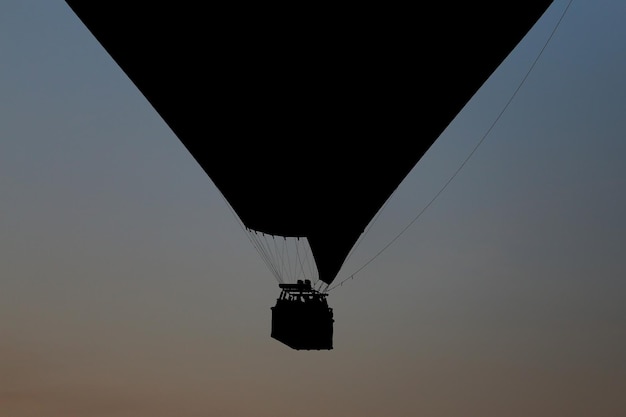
278 258
466 159
261 247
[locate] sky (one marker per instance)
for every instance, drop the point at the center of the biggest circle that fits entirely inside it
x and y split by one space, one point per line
129 289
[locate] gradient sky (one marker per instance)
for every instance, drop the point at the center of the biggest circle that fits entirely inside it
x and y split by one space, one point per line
129 289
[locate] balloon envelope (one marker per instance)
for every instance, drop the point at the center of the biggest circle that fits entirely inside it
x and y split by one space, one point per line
308 116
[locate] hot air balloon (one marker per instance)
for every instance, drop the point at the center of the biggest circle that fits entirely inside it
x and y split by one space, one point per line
307 116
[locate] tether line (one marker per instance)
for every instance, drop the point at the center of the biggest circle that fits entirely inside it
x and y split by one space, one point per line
469 156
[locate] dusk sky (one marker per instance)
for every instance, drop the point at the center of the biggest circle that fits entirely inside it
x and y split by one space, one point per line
128 288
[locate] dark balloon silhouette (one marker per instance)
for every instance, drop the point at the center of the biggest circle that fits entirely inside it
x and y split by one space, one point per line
307 116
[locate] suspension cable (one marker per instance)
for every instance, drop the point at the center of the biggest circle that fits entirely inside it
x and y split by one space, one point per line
464 162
